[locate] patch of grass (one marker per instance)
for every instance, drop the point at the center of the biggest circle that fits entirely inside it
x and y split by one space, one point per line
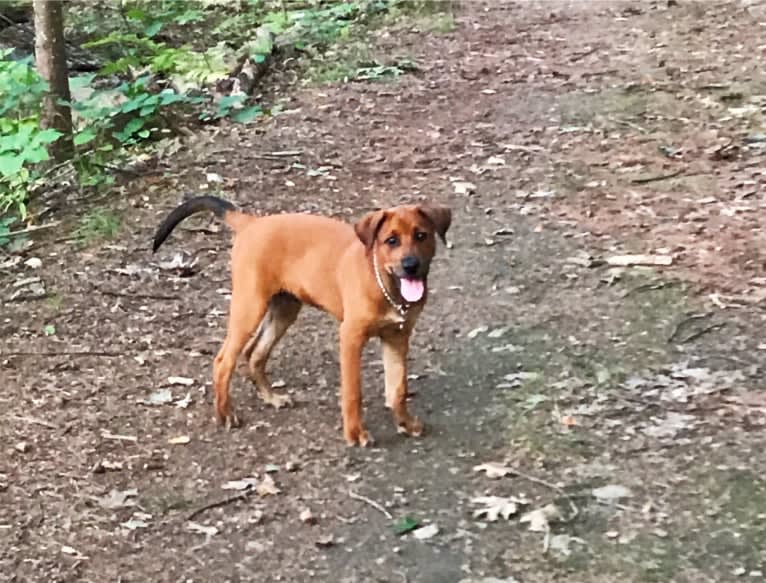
443 23
340 63
97 225
55 301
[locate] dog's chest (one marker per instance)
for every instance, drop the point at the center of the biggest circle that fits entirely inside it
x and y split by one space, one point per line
393 319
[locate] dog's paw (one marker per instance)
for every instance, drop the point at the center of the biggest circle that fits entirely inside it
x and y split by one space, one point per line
228 419
359 436
411 426
277 401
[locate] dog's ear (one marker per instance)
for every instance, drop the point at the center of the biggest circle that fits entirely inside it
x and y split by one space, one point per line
440 217
369 225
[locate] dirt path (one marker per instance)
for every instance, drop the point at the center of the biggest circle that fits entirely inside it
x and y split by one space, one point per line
529 354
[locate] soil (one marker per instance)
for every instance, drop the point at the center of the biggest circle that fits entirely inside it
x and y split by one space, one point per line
532 352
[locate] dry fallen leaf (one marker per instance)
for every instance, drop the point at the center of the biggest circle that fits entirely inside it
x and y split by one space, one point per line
568 421
185 381
201 529
307 517
161 397
611 493
118 499
325 541
426 532
476 331
462 187
539 519
494 507
242 484
267 487
494 470
138 520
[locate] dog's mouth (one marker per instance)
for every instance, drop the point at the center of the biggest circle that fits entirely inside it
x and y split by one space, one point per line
412 289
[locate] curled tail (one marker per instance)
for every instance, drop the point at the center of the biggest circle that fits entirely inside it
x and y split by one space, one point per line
221 208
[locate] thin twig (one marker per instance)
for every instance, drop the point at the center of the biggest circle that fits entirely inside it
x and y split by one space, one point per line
656 178
698 333
32 229
219 503
630 124
582 55
649 287
108 292
372 503
34 421
554 487
30 297
685 321
118 437
63 353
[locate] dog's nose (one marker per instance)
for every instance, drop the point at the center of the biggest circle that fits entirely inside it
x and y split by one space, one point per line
410 265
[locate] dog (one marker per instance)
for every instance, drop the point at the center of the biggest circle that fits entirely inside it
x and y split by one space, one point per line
371 276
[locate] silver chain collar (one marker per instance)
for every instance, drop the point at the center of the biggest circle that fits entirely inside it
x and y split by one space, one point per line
402 309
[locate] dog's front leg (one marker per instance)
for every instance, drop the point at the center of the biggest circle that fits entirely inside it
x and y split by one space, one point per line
352 340
395 348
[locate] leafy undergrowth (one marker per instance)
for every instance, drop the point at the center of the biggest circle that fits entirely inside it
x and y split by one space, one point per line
165 69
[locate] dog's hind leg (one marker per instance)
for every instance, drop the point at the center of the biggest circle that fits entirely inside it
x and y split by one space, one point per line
245 312
282 311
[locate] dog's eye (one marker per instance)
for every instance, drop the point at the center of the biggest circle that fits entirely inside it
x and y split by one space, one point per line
421 236
392 241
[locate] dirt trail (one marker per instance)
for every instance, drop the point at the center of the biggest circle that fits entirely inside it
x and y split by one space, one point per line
574 375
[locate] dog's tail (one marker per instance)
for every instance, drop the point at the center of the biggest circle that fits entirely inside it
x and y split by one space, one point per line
223 209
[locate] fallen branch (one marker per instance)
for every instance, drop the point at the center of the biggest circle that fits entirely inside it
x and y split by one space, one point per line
649 179
372 503
217 504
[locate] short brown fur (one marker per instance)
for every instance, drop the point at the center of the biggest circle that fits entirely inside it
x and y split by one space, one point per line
280 262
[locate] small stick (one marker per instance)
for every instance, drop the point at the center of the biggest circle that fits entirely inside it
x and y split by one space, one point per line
117 294
698 333
64 353
282 153
547 484
656 178
32 229
117 437
34 420
685 321
371 503
219 503
582 55
630 124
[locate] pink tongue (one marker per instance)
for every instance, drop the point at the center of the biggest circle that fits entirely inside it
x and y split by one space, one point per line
412 289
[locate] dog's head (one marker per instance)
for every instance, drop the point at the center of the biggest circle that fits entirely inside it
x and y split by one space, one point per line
403 240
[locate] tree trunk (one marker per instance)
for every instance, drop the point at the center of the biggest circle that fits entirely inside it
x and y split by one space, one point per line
50 55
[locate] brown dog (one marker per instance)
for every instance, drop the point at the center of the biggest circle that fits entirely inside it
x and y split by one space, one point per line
371 277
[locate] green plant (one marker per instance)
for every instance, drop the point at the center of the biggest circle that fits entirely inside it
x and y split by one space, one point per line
23 144
97 225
